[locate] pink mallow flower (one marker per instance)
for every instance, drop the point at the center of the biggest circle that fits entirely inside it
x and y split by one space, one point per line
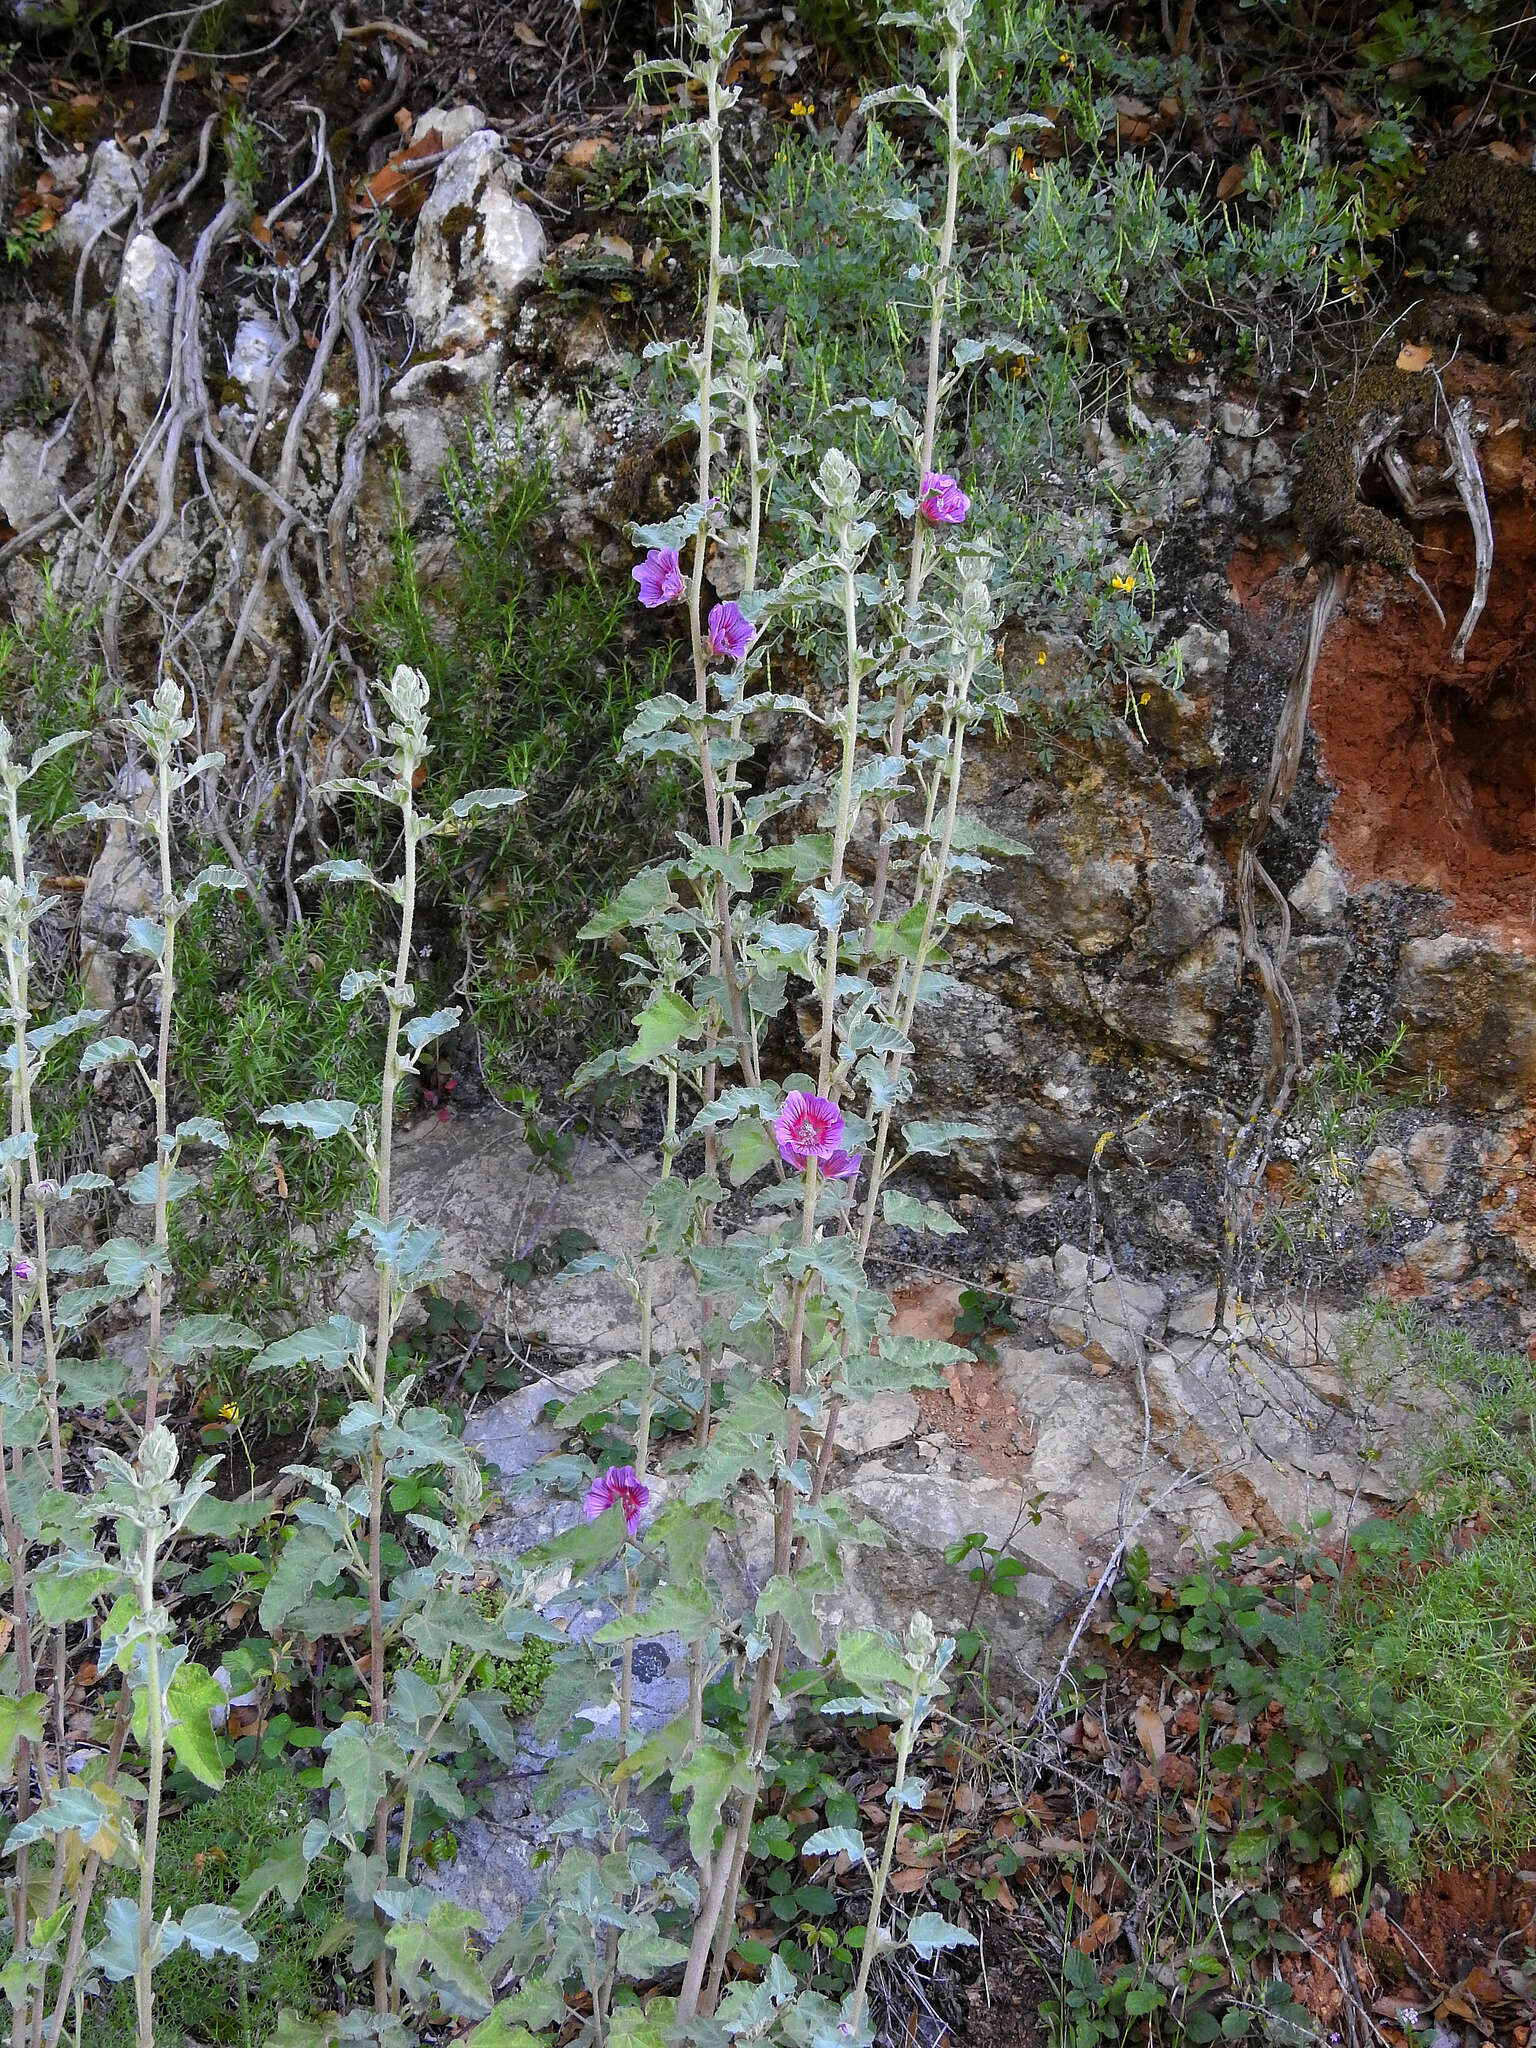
731 632
841 1165
809 1127
659 578
941 500
619 1487
23 1269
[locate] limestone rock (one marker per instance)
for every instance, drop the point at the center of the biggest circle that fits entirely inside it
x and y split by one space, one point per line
123 883
1076 1270
478 246
938 1512
1323 890
10 154
424 414
256 354
866 1427
515 1432
474 1181
32 469
1470 1007
112 189
141 338
1442 1254
450 124
1105 1316
1386 1180
1431 1152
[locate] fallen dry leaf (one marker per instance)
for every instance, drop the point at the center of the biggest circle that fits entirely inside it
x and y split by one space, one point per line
1231 181
1103 1931
1414 356
1507 153
586 151
1150 1733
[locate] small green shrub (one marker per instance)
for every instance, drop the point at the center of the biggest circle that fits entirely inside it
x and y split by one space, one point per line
533 685
50 683
256 1026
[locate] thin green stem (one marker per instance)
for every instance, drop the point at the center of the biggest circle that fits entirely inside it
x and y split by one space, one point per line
399 997
882 1876
917 566
162 1083
155 1714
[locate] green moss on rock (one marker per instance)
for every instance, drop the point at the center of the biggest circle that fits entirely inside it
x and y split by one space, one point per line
1358 420
1478 213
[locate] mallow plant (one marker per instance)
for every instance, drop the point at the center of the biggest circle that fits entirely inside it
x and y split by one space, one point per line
784 964
88 1564
90 1550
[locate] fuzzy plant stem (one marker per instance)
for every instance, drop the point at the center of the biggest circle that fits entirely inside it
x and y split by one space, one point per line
602 1998
784 1506
399 997
16 1553
162 1082
938 877
937 305
15 1539
713 807
882 1874
155 1713
84 1892
669 1147
18 961
717 1911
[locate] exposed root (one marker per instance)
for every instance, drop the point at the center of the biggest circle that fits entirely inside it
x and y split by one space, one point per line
1285 1040
1468 473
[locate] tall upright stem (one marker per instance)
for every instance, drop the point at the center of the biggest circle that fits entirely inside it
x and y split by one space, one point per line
161 1090
399 998
882 1876
143 1990
937 876
937 305
784 1504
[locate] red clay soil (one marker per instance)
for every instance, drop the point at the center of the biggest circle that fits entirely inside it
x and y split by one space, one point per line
1436 764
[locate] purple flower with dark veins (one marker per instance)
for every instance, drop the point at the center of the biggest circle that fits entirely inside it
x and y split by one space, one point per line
731 632
941 500
659 577
620 1487
809 1127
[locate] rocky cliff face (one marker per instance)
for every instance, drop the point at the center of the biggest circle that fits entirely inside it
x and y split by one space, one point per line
226 496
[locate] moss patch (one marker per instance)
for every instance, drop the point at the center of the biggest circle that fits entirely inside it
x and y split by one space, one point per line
1478 215
1357 421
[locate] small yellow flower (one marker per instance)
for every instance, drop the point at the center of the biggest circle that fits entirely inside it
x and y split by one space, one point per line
1017 159
1040 659
1145 697
1125 583
229 1412
800 108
